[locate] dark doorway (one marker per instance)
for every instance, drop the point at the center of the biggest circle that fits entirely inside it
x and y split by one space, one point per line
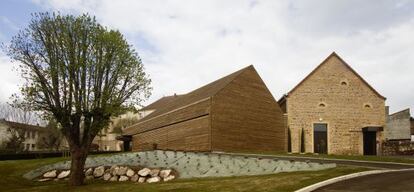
370 143
127 145
126 142
320 138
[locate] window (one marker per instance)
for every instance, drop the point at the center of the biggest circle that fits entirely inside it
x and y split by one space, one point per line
27 147
33 146
367 106
344 82
322 105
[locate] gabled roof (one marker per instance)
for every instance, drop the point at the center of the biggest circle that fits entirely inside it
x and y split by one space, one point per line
194 96
401 112
333 54
160 103
17 125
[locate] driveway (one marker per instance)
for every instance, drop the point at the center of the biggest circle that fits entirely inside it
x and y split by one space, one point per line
369 164
391 181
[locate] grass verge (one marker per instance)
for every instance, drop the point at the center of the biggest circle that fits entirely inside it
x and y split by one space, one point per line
11 180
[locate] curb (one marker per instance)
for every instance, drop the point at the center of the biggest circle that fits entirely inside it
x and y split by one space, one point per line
350 160
346 177
319 158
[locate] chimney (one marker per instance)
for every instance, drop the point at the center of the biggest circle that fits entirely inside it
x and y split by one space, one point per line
387 110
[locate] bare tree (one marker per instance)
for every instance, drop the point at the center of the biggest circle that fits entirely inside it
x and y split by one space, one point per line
15 140
81 73
20 115
52 137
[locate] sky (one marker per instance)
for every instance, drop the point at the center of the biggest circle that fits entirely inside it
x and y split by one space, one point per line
187 44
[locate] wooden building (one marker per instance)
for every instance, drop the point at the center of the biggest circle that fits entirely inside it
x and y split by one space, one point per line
335 111
234 113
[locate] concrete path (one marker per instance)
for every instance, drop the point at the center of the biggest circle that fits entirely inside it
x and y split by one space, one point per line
400 181
370 164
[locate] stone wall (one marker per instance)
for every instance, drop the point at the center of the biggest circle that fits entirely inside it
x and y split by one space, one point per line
192 164
390 148
398 126
334 94
412 125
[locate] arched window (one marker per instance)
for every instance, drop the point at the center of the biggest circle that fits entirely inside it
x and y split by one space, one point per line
322 105
344 82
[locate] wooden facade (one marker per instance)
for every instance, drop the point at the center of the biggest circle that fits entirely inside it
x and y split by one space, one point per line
234 113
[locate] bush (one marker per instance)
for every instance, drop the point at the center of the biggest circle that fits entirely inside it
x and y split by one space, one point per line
10 155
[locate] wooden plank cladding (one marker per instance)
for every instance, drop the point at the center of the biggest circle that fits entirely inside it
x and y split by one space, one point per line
194 110
234 113
246 117
192 135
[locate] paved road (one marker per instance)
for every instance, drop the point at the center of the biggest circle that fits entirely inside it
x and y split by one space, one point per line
393 181
376 165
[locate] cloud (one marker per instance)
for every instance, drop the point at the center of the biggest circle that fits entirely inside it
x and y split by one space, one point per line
347 17
186 45
6 21
10 78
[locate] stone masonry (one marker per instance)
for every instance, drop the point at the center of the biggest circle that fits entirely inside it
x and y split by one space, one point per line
336 95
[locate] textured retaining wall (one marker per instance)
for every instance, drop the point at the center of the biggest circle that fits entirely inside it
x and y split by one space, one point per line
193 165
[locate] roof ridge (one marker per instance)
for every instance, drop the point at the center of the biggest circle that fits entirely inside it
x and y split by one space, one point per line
232 75
236 74
395 113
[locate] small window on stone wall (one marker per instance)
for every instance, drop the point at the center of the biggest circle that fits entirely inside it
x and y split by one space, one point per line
344 83
367 106
322 105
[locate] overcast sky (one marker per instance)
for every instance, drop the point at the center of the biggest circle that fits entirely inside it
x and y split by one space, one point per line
186 44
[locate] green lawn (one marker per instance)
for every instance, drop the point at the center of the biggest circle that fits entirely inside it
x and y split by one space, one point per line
11 180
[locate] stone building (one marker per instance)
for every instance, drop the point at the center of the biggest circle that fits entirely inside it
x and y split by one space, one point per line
412 128
234 113
338 111
398 126
111 139
107 139
32 134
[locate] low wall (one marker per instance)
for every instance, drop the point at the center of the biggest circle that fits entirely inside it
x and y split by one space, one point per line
193 164
402 147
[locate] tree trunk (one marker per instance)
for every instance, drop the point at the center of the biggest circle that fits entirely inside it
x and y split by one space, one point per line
77 165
